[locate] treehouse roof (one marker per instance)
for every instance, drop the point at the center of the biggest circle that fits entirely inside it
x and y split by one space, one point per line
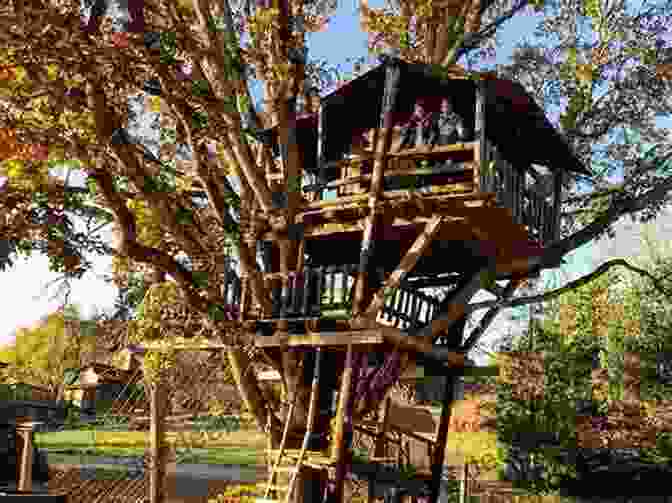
514 122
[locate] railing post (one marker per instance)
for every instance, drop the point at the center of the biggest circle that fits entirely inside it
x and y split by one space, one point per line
557 195
481 157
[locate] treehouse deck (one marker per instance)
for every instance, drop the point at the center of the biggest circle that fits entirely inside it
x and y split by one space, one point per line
432 179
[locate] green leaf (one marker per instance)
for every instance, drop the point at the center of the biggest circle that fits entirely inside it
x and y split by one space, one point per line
243 103
92 186
199 119
168 47
200 279
294 184
216 313
184 216
168 136
200 87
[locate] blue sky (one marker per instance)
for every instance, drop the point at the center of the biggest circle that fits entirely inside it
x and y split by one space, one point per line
342 40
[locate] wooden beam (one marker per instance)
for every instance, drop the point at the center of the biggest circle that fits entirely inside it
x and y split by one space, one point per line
157 442
420 344
392 80
338 447
422 242
480 138
322 339
312 413
456 308
441 440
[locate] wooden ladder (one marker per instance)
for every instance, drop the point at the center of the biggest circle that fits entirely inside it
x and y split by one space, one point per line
293 455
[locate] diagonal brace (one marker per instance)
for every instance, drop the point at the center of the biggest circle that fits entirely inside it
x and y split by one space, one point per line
456 308
406 265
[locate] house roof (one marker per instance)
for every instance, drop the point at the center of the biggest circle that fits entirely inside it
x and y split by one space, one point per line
515 123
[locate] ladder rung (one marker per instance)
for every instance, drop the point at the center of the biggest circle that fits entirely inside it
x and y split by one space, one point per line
276 488
285 469
294 453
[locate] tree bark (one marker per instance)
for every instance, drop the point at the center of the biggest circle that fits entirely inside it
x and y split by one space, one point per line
250 392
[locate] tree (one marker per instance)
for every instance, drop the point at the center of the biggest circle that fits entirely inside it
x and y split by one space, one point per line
41 354
592 398
69 92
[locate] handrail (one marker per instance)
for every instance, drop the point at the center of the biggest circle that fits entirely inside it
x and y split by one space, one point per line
334 284
317 187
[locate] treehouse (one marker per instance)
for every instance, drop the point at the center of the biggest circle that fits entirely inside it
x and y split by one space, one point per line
478 152
404 180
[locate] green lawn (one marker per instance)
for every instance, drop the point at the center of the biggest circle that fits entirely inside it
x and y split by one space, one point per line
236 448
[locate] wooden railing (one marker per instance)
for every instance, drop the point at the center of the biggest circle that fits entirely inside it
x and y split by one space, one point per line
326 291
408 309
527 207
353 180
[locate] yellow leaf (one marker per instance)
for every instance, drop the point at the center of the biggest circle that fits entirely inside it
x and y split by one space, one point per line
155 104
584 73
20 74
52 71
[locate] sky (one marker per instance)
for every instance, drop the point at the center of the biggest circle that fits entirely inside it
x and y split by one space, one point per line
23 285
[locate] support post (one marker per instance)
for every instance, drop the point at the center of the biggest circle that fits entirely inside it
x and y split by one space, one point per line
480 138
381 441
441 439
157 447
339 448
24 432
392 80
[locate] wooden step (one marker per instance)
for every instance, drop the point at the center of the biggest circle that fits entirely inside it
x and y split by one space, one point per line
282 488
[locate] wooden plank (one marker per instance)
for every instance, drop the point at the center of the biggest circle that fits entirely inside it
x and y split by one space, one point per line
417 250
416 152
322 339
391 174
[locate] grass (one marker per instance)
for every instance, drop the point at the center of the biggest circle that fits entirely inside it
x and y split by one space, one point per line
243 447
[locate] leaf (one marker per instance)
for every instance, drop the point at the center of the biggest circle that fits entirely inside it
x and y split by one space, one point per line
200 279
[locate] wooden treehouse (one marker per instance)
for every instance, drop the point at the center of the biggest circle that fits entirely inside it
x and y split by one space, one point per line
409 181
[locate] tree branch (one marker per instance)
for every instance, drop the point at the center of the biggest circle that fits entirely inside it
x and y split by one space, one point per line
577 283
139 252
490 316
473 40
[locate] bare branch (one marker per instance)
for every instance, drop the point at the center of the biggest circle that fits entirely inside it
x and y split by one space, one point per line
577 283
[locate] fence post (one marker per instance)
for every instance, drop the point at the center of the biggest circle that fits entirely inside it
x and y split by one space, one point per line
464 483
157 442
